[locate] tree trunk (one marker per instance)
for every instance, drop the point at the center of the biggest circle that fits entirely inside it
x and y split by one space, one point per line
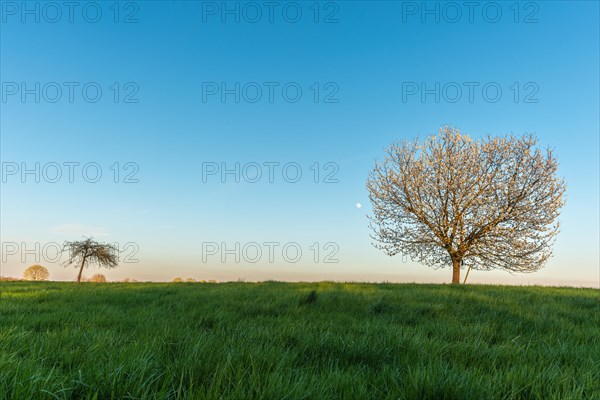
81 270
455 270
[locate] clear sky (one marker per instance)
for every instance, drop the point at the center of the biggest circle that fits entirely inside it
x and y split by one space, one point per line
163 96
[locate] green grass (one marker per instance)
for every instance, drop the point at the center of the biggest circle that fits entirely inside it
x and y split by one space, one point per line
298 341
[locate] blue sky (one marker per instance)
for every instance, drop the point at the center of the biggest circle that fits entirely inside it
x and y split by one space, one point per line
361 57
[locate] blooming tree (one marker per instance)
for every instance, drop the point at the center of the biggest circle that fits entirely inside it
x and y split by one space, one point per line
36 273
100 278
454 201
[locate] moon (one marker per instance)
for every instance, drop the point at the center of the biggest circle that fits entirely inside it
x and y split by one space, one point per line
358 205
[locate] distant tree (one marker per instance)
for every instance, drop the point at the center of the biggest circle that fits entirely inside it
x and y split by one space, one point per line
36 273
454 201
97 278
90 252
129 280
177 280
190 280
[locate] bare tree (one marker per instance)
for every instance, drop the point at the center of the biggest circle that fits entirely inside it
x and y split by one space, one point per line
91 252
454 201
36 273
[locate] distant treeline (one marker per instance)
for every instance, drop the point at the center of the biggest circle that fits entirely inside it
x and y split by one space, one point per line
100 278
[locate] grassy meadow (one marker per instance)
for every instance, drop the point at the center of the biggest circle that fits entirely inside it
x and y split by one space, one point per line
297 341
